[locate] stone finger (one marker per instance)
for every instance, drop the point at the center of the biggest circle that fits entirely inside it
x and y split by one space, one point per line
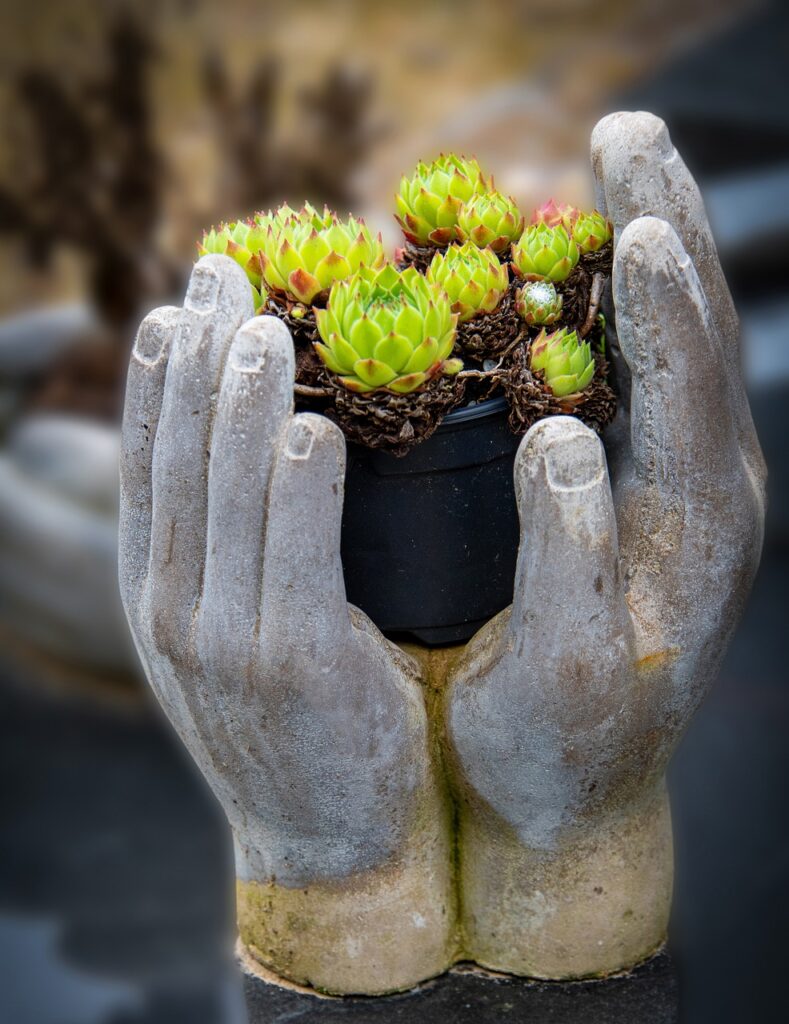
218 301
255 402
144 391
304 611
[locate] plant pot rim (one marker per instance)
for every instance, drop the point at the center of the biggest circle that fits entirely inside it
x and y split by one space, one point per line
489 407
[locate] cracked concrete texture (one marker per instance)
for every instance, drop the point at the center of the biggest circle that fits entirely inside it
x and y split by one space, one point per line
396 811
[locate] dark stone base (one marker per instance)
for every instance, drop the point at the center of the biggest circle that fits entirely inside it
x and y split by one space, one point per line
648 995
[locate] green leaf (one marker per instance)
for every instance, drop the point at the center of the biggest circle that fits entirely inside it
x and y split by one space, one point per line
328 358
481 235
447 212
373 372
332 268
423 357
287 259
408 383
434 322
337 238
394 350
364 336
387 277
560 270
427 206
578 360
471 295
564 385
354 384
327 323
384 318
303 286
344 354
461 186
352 312
272 276
410 324
491 300
447 341
586 377
313 250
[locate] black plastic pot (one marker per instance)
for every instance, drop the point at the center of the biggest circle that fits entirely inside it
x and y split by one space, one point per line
429 541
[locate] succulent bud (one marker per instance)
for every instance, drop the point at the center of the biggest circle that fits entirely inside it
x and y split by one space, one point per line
556 214
567 364
538 302
591 231
544 252
303 254
430 201
387 330
474 279
240 241
490 220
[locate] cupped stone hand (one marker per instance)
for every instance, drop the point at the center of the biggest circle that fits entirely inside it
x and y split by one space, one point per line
564 711
558 719
308 725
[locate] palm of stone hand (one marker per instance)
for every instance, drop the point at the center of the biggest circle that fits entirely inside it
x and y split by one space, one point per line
560 715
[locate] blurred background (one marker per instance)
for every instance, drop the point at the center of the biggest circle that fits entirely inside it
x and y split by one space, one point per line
128 128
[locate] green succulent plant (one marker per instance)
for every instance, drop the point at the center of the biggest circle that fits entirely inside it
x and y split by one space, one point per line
544 253
241 241
555 214
567 364
303 254
538 302
490 220
430 201
387 330
591 231
474 279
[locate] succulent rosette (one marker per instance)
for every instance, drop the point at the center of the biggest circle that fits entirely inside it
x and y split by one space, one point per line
474 279
490 220
241 241
544 253
555 215
387 330
302 254
567 364
538 302
591 231
430 201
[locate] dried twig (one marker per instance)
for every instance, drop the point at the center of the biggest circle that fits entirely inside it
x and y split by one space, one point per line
307 392
598 281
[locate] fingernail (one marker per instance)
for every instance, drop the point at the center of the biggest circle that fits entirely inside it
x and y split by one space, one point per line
300 439
248 353
661 138
203 288
574 463
152 339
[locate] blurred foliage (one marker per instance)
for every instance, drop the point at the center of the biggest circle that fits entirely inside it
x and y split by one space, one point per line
129 127
92 172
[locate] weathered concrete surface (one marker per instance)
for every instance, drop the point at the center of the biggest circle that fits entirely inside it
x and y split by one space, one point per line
331 751
468 995
374 932
599 901
309 726
564 712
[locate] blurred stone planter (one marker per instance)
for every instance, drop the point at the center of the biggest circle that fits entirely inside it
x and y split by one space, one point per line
60 614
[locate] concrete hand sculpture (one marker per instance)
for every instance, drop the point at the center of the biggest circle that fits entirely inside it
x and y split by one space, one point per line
552 729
